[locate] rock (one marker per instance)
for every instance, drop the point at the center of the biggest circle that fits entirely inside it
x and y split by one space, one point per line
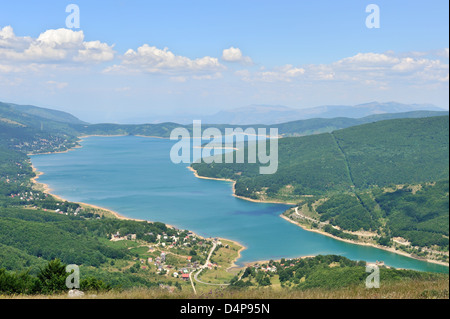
75 293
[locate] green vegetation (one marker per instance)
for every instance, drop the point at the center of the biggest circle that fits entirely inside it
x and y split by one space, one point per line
34 134
346 211
421 218
311 165
325 272
397 152
30 238
48 114
51 279
339 233
376 154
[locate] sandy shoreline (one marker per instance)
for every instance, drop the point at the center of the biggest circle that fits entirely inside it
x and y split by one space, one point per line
60 152
261 262
233 262
48 190
234 189
392 250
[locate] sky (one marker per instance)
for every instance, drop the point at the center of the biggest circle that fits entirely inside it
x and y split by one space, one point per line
135 59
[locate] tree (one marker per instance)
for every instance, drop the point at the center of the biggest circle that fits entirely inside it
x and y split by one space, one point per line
249 271
52 278
12 283
193 252
94 284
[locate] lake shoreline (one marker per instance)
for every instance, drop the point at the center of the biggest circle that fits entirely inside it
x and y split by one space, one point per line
389 249
115 214
234 189
47 190
392 250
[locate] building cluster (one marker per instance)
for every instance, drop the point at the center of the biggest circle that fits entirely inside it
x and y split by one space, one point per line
178 241
29 196
117 237
265 268
42 145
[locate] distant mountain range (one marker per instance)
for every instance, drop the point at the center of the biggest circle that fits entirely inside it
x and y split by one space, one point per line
35 122
275 114
253 114
269 114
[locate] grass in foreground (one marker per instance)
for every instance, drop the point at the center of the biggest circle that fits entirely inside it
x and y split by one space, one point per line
407 289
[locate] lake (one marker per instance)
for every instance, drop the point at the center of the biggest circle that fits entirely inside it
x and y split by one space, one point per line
135 177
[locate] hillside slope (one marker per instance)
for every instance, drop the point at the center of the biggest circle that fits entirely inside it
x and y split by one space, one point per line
376 154
49 114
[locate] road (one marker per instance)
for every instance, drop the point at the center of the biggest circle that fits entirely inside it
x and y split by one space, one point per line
206 266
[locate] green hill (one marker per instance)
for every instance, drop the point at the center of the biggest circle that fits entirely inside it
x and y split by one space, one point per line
44 113
397 152
376 154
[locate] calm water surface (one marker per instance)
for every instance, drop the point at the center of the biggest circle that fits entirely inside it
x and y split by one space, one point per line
135 177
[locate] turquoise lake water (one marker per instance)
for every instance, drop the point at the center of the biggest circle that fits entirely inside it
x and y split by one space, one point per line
135 177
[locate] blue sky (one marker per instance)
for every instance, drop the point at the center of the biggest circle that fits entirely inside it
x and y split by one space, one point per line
204 56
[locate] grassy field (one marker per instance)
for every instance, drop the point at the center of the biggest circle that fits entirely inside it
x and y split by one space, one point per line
224 257
407 289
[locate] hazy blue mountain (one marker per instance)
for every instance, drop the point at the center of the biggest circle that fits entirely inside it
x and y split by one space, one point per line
12 115
323 125
275 114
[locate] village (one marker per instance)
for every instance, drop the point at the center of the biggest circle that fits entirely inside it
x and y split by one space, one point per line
50 143
172 256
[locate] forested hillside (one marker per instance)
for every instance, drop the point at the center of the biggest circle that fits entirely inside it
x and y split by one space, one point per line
397 152
370 155
48 114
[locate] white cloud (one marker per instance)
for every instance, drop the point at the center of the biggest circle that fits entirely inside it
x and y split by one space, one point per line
414 67
95 51
235 55
52 46
368 59
443 53
150 59
286 73
63 50
214 76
